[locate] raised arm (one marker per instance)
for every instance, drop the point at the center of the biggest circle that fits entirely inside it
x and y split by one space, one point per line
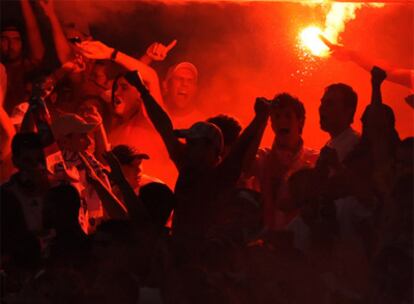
37 49
244 150
63 48
159 119
377 77
157 52
102 145
404 77
7 132
98 50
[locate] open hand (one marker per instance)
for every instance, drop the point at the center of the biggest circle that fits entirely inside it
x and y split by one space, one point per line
158 52
337 50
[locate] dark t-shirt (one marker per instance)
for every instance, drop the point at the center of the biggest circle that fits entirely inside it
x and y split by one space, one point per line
200 193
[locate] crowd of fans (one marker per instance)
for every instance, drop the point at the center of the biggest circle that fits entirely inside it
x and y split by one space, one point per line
82 223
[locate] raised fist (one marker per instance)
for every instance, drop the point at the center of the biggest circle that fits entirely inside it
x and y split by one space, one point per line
262 107
378 75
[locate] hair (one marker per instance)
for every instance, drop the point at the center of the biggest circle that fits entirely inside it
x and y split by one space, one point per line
350 97
286 100
25 141
229 126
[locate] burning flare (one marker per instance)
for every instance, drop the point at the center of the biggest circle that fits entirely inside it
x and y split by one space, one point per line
339 14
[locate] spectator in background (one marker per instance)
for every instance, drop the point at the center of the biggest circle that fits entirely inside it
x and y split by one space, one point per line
179 88
336 114
287 155
131 163
22 200
84 171
18 60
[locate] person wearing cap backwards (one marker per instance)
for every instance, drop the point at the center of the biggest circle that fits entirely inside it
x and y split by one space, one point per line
84 171
203 176
17 60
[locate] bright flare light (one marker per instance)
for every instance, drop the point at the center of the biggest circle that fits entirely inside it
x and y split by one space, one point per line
339 14
309 38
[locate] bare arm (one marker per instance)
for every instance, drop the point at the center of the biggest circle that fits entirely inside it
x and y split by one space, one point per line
244 150
159 119
400 76
98 50
63 48
102 144
37 49
7 132
397 75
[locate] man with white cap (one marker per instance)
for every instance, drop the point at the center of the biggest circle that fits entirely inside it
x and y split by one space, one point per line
179 88
83 170
203 176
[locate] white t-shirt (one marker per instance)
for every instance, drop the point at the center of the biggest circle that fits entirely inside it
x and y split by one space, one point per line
344 143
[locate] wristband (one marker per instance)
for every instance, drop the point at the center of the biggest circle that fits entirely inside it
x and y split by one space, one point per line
113 55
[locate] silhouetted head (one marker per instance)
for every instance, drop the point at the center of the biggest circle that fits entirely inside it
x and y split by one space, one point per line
27 154
337 109
229 127
204 144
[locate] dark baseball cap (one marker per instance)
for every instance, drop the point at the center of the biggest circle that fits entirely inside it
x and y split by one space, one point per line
127 154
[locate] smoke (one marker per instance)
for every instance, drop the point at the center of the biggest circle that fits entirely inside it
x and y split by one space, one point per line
242 50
